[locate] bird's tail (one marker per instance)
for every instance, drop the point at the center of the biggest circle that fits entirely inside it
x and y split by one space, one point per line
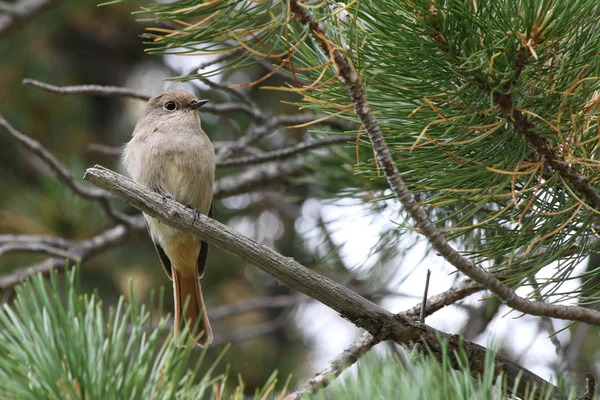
186 289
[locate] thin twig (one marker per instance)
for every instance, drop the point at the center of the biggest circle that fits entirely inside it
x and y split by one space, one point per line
253 331
82 250
336 366
285 153
424 303
423 224
260 176
223 57
64 176
104 149
88 89
218 109
34 247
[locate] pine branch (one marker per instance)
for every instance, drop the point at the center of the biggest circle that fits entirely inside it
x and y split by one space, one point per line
382 324
423 224
337 365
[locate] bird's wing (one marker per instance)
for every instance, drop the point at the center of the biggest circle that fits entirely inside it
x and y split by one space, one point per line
164 260
203 256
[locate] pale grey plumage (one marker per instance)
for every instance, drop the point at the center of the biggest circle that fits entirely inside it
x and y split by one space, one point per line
170 153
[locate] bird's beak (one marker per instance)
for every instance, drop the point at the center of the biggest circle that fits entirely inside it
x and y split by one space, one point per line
196 104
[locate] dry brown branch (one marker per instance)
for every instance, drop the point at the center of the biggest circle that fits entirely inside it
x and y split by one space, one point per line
382 324
423 224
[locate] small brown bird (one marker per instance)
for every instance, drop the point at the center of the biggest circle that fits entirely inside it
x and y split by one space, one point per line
171 154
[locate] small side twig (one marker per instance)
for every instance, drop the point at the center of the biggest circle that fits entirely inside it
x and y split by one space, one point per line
259 176
424 303
285 153
87 89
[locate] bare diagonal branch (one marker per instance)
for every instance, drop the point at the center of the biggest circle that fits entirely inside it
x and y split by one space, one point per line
382 324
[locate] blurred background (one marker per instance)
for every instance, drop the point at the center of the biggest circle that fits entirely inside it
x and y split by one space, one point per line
305 215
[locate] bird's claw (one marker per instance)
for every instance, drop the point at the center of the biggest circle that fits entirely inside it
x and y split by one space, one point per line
165 196
195 211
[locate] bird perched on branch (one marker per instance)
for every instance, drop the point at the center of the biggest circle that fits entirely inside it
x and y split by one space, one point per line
170 153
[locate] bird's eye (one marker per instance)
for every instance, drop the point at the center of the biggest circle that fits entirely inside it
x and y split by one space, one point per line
170 106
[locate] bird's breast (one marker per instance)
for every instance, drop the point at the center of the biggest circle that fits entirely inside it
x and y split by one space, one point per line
180 165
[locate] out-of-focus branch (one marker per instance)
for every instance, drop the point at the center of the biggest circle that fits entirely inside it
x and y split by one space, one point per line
105 150
285 153
259 176
113 91
273 155
253 331
79 250
20 12
381 323
221 58
424 225
36 247
63 175
219 109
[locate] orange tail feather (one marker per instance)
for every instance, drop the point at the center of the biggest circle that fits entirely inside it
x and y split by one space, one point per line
186 289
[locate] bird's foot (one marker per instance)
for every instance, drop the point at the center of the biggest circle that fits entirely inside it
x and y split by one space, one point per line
195 211
165 196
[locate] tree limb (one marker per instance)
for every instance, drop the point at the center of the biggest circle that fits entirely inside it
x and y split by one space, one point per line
382 324
423 224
